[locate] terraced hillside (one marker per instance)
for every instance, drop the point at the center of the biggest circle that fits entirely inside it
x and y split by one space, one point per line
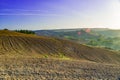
12 43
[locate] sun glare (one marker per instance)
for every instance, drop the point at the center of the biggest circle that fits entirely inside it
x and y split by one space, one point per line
115 10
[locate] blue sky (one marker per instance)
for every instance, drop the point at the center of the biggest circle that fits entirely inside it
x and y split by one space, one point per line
59 14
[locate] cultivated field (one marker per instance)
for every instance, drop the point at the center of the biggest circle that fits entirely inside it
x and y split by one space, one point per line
54 69
13 43
31 57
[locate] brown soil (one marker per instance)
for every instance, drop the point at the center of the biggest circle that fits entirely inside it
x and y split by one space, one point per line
52 69
13 43
21 58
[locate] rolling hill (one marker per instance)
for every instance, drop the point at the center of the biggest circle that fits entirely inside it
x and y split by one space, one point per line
31 57
13 43
100 37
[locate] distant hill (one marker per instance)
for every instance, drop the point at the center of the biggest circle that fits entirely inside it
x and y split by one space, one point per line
100 37
77 35
13 43
109 33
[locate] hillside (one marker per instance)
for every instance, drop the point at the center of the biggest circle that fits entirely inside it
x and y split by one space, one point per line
13 43
73 34
100 37
109 33
31 57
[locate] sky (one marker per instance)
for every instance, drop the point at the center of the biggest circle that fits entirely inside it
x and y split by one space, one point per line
59 14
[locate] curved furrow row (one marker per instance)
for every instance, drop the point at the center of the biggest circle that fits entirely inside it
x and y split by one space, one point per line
14 45
4 43
1 46
38 46
10 44
23 43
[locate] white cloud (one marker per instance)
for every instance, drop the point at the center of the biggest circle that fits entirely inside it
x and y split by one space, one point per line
27 12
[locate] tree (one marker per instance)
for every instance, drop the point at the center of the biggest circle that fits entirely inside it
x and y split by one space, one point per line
25 31
5 29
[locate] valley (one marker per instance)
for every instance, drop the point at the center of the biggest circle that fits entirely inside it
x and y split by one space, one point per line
98 37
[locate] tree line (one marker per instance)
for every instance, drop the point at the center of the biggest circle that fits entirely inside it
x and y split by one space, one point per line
25 31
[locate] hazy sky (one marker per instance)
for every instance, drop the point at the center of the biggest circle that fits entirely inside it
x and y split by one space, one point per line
57 14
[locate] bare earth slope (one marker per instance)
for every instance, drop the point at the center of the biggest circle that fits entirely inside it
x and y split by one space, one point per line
21 59
12 43
51 69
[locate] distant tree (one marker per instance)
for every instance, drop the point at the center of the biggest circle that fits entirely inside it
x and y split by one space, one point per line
25 31
5 29
92 42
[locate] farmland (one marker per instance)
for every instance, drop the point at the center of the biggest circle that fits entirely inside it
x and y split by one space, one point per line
56 69
32 57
